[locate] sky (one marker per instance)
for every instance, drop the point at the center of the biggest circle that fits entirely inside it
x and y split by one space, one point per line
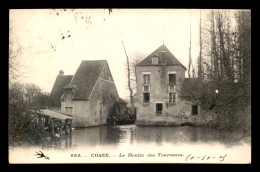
55 39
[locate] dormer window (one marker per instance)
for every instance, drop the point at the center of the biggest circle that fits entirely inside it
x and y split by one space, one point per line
163 53
155 60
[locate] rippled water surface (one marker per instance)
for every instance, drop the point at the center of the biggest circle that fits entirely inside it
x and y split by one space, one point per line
132 134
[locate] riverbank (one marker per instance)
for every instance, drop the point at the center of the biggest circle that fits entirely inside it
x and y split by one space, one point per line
175 121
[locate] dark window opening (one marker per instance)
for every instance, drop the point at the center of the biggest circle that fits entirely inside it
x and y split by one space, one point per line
159 108
194 109
118 110
172 79
146 97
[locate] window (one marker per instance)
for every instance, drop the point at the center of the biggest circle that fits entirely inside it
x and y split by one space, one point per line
68 110
194 109
172 88
163 53
146 88
146 79
146 97
159 108
171 97
172 79
155 60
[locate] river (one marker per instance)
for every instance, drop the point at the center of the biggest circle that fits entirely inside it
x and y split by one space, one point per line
147 143
134 135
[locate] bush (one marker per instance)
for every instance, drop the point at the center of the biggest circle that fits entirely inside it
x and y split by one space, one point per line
233 118
20 127
35 133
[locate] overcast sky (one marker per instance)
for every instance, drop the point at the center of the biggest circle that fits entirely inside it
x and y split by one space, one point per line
93 34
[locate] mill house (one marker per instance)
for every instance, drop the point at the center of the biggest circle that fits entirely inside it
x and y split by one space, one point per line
160 79
90 96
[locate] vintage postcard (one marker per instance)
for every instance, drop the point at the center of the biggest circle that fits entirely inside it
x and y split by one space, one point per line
129 86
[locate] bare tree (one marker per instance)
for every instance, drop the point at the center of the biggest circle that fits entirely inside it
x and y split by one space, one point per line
227 67
200 70
14 64
129 79
135 58
244 59
190 62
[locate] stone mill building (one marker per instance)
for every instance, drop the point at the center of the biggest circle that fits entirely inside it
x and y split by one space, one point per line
89 96
160 79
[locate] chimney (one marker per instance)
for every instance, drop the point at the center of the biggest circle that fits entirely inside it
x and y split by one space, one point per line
61 72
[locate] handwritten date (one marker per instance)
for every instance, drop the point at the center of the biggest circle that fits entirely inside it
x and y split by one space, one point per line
205 157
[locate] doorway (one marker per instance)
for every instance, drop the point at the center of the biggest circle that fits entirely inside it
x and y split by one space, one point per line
194 109
159 108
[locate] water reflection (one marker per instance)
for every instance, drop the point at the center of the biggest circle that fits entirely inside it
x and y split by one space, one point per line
131 134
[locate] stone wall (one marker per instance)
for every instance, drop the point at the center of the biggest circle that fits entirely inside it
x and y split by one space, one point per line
80 112
159 83
102 101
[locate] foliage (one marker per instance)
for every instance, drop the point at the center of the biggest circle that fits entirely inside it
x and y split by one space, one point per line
35 133
226 68
35 98
16 115
20 126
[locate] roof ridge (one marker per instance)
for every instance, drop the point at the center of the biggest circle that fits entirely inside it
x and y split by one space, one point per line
86 77
169 57
97 80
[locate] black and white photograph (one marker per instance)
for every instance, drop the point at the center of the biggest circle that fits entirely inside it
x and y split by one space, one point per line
112 85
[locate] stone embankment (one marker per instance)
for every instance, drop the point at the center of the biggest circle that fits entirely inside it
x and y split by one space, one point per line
193 120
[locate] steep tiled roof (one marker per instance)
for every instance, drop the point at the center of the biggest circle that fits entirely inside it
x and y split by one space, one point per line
57 89
167 59
190 86
86 77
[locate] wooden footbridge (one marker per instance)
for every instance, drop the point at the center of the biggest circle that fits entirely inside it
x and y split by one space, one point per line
56 123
